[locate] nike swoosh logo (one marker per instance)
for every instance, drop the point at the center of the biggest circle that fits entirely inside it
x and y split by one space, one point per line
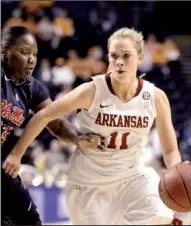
104 106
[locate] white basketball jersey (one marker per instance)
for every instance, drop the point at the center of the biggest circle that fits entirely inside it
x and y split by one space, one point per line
125 125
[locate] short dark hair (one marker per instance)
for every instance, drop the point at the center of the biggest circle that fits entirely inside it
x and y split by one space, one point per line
10 34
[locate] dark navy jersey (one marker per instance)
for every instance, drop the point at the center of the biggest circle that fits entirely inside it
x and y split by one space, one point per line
16 101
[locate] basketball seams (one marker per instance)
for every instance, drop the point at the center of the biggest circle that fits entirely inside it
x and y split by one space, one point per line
183 184
178 177
163 196
171 196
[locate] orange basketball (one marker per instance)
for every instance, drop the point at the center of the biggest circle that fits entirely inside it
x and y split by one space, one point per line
175 187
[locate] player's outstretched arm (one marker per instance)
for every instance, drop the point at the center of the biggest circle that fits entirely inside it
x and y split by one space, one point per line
166 130
79 98
66 132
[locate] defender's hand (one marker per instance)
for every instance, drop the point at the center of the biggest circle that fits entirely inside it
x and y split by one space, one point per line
92 141
12 165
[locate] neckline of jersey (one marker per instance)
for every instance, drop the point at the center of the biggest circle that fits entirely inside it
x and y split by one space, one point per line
22 81
110 88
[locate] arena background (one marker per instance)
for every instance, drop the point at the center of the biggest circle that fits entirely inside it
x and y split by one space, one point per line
72 41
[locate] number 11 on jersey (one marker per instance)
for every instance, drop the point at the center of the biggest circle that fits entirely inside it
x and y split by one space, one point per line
112 143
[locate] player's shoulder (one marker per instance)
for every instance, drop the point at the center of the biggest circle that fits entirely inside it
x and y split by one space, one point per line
100 76
96 81
87 87
34 81
160 96
147 83
158 93
36 84
38 89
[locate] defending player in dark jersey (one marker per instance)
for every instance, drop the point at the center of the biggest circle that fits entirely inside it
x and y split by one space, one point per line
19 93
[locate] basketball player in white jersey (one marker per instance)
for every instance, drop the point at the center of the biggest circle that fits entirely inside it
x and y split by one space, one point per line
114 186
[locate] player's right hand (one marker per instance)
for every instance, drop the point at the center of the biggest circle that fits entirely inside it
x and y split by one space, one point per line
92 141
12 165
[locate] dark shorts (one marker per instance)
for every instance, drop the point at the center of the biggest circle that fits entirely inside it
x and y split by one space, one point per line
16 201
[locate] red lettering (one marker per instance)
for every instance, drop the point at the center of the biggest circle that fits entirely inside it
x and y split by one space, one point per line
98 119
3 103
145 121
127 121
112 120
139 123
113 140
16 116
5 109
105 120
133 121
120 122
6 132
123 145
124 141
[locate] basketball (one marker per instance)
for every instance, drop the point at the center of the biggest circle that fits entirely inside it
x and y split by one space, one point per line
175 187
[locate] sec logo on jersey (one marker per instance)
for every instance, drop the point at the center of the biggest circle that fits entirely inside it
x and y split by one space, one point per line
146 96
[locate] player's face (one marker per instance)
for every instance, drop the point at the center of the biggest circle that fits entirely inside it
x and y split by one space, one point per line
123 58
22 57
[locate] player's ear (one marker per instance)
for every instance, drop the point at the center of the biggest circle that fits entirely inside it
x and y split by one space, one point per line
140 58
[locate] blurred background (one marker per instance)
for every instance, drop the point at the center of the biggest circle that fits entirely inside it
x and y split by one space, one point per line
72 41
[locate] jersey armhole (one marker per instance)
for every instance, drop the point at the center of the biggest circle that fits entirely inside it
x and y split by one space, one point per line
96 98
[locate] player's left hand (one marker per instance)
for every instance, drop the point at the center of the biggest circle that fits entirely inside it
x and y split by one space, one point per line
92 141
12 165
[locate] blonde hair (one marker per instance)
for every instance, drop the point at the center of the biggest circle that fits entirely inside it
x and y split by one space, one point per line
133 35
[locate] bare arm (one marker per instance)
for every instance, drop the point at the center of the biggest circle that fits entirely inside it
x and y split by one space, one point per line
166 130
64 131
67 133
79 98
61 127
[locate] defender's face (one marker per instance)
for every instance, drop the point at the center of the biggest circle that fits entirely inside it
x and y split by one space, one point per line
123 58
22 57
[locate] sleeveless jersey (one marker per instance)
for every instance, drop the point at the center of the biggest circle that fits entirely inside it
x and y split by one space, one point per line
125 125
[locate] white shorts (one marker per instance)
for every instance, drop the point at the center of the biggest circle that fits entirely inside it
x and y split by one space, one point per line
131 202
